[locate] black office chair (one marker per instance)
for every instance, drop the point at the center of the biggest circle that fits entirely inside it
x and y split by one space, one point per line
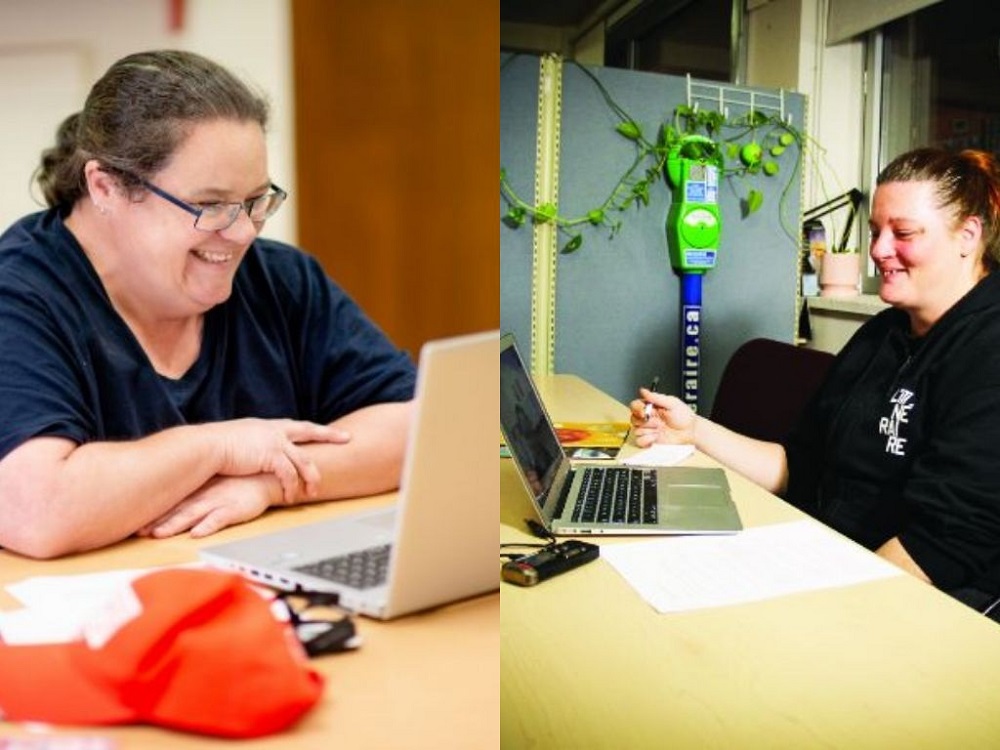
765 386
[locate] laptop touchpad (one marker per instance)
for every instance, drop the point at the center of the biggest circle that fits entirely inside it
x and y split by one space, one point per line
693 495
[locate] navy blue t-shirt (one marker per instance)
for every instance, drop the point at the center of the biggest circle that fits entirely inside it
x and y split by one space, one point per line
287 343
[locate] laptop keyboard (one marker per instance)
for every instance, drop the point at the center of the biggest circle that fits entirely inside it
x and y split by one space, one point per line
363 569
617 495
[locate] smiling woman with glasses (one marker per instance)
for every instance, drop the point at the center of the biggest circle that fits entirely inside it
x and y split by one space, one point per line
165 367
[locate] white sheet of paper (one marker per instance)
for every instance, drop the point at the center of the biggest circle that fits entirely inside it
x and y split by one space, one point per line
681 573
660 455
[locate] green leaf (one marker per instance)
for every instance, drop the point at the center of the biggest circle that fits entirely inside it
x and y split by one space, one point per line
573 245
545 212
755 199
692 150
777 150
641 192
714 122
630 130
771 168
786 139
515 217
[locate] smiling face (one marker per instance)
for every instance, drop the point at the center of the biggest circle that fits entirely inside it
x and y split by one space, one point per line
928 259
164 264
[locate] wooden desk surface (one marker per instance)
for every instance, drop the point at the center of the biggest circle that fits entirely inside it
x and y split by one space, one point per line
586 663
428 680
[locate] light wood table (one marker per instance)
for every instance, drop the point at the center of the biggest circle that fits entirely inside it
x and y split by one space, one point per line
586 663
427 680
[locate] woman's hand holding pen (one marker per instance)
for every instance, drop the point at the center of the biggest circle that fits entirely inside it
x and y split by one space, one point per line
659 418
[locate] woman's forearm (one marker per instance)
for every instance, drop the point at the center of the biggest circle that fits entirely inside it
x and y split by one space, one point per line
371 461
762 462
57 497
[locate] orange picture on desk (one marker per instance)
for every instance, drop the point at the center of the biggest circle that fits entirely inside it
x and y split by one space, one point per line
592 440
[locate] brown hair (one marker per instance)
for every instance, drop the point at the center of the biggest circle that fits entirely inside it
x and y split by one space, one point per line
137 115
966 184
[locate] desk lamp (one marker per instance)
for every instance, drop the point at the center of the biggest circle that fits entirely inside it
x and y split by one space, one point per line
851 198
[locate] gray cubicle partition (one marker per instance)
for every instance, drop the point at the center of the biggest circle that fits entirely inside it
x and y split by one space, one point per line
617 300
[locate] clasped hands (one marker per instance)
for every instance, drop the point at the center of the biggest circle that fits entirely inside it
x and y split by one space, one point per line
263 462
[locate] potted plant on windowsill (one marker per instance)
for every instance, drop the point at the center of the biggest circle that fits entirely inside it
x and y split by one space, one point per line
839 266
840 273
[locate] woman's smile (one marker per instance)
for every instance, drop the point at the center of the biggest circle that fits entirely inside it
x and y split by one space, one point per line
214 257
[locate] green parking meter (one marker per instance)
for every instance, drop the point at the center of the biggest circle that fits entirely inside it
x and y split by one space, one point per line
694 228
694 225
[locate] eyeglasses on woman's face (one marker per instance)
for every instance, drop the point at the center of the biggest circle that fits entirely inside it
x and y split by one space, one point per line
216 217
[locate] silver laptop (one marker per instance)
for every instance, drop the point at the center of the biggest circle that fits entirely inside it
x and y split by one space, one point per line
438 543
578 498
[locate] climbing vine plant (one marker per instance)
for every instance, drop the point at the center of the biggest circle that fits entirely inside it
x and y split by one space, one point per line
751 146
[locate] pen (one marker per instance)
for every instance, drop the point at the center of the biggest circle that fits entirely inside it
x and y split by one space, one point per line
647 412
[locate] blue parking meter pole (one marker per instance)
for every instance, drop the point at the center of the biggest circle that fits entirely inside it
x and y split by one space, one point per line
690 354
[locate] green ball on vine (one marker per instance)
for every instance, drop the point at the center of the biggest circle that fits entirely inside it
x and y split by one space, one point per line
751 154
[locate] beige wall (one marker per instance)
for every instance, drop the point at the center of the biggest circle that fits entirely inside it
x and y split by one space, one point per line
51 51
787 49
774 31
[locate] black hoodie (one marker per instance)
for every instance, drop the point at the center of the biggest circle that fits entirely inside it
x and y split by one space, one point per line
903 439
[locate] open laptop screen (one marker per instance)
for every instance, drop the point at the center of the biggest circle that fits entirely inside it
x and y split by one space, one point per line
526 427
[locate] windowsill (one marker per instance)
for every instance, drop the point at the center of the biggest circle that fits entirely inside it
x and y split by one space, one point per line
861 304
833 320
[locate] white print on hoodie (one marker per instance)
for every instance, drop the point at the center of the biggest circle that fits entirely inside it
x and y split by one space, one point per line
901 403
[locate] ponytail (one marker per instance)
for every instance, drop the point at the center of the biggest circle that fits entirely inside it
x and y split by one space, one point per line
60 174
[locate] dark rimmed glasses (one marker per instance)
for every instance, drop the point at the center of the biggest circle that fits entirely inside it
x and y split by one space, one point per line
216 217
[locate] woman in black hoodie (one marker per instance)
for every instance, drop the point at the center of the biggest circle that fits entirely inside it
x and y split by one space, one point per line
900 448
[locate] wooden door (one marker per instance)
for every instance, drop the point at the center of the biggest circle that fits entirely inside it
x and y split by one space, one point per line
397 139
